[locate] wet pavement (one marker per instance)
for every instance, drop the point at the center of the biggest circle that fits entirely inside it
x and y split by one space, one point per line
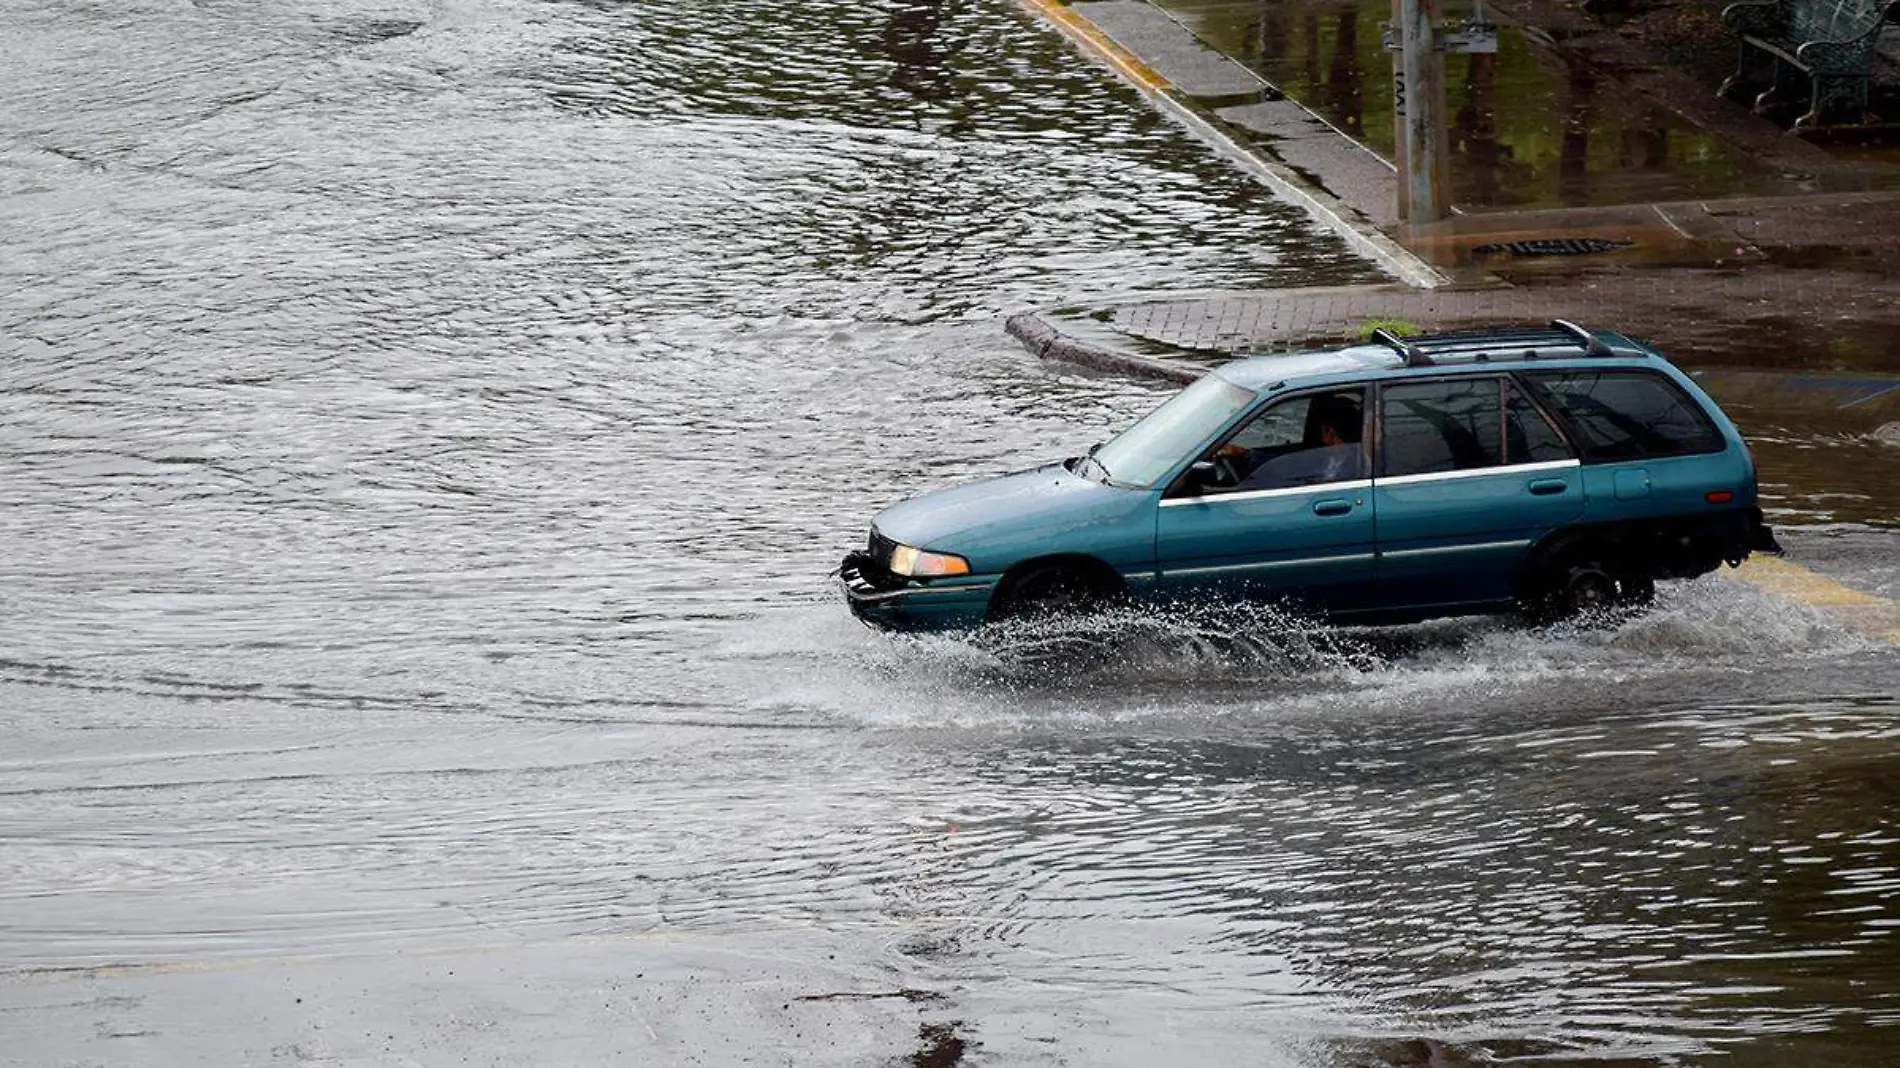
1566 133
1531 126
428 427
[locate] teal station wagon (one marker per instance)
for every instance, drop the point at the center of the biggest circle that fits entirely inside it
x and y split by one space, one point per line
1546 470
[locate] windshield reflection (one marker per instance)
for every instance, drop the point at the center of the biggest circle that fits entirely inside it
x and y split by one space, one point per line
1144 453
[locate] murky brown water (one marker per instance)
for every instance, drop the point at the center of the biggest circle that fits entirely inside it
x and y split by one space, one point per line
427 427
1527 129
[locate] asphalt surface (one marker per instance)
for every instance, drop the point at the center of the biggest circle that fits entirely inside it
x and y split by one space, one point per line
428 429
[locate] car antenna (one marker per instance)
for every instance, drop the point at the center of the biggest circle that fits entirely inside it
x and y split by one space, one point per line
1414 356
1592 344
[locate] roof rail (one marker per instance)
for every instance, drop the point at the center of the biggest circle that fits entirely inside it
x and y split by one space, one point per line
1414 356
1592 344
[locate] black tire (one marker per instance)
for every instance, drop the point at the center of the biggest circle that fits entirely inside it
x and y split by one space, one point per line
1050 591
1637 591
1586 587
1580 584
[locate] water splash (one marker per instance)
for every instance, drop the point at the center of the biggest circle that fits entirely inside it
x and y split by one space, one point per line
1200 640
1253 664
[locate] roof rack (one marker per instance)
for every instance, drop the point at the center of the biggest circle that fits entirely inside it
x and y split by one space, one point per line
1479 346
1414 356
1592 344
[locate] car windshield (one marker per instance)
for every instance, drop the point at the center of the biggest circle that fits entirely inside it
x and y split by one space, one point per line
1142 454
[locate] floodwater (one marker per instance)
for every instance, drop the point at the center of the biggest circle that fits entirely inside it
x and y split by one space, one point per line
1527 129
428 425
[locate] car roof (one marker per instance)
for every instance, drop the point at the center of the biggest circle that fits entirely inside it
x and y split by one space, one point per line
1391 356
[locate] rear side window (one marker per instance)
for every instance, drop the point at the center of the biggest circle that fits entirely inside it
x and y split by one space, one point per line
1448 425
1528 436
1626 415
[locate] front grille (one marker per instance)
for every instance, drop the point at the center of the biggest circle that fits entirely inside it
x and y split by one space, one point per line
860 569
881 548
873 567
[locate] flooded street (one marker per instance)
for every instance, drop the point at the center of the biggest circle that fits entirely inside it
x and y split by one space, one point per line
429 425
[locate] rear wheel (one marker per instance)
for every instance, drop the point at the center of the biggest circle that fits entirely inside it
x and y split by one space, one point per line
1586 584
1584 587
1638 591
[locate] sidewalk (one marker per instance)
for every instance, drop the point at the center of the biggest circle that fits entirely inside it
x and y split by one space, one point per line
1792 280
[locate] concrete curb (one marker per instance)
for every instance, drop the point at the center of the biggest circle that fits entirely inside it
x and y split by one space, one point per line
1046 342
1285 182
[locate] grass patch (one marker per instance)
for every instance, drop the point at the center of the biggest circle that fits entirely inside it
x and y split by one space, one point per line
1400 327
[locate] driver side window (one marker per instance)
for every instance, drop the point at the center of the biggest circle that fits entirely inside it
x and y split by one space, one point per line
1307 440
1279 427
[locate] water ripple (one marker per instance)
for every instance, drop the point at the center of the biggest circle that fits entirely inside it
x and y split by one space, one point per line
426 428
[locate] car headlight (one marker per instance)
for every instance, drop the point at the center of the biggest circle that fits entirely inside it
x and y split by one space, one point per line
916 563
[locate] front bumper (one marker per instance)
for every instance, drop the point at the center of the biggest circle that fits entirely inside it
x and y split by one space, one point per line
891 602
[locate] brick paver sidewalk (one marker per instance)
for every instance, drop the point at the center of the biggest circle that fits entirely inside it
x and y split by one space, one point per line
1817 287
1760 315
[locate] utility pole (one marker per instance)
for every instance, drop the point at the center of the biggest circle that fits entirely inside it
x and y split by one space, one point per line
1399 110
1427 177
1422 136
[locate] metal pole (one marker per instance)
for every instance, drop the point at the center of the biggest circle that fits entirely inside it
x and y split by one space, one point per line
1398 114
1426 175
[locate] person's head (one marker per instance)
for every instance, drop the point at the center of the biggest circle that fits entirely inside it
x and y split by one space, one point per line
1338 422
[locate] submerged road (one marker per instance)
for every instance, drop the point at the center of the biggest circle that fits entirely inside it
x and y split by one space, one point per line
427 428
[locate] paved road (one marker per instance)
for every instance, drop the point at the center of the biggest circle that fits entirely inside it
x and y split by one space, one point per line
427 429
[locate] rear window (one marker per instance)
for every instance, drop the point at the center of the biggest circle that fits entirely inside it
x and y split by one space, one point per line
1626 415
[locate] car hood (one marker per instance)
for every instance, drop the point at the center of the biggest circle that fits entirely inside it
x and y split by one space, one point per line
946 520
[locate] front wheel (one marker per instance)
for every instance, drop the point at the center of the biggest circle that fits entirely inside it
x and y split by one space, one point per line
1050 591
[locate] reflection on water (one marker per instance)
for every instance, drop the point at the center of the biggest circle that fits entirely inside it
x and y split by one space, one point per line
1526 129
1820 441
1430 823
1492 885
428 426
1330 842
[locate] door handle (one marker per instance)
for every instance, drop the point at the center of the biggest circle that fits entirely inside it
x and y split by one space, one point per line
1331 506
1544 487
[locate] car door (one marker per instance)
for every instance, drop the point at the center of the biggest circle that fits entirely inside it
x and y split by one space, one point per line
1286 512
1471 473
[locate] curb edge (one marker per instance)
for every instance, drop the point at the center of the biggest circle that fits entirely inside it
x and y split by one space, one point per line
1045 342
1325 208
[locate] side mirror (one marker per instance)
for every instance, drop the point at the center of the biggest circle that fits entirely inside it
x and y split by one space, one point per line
1201 474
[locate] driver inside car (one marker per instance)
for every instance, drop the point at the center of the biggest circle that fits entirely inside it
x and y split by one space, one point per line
1329 452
